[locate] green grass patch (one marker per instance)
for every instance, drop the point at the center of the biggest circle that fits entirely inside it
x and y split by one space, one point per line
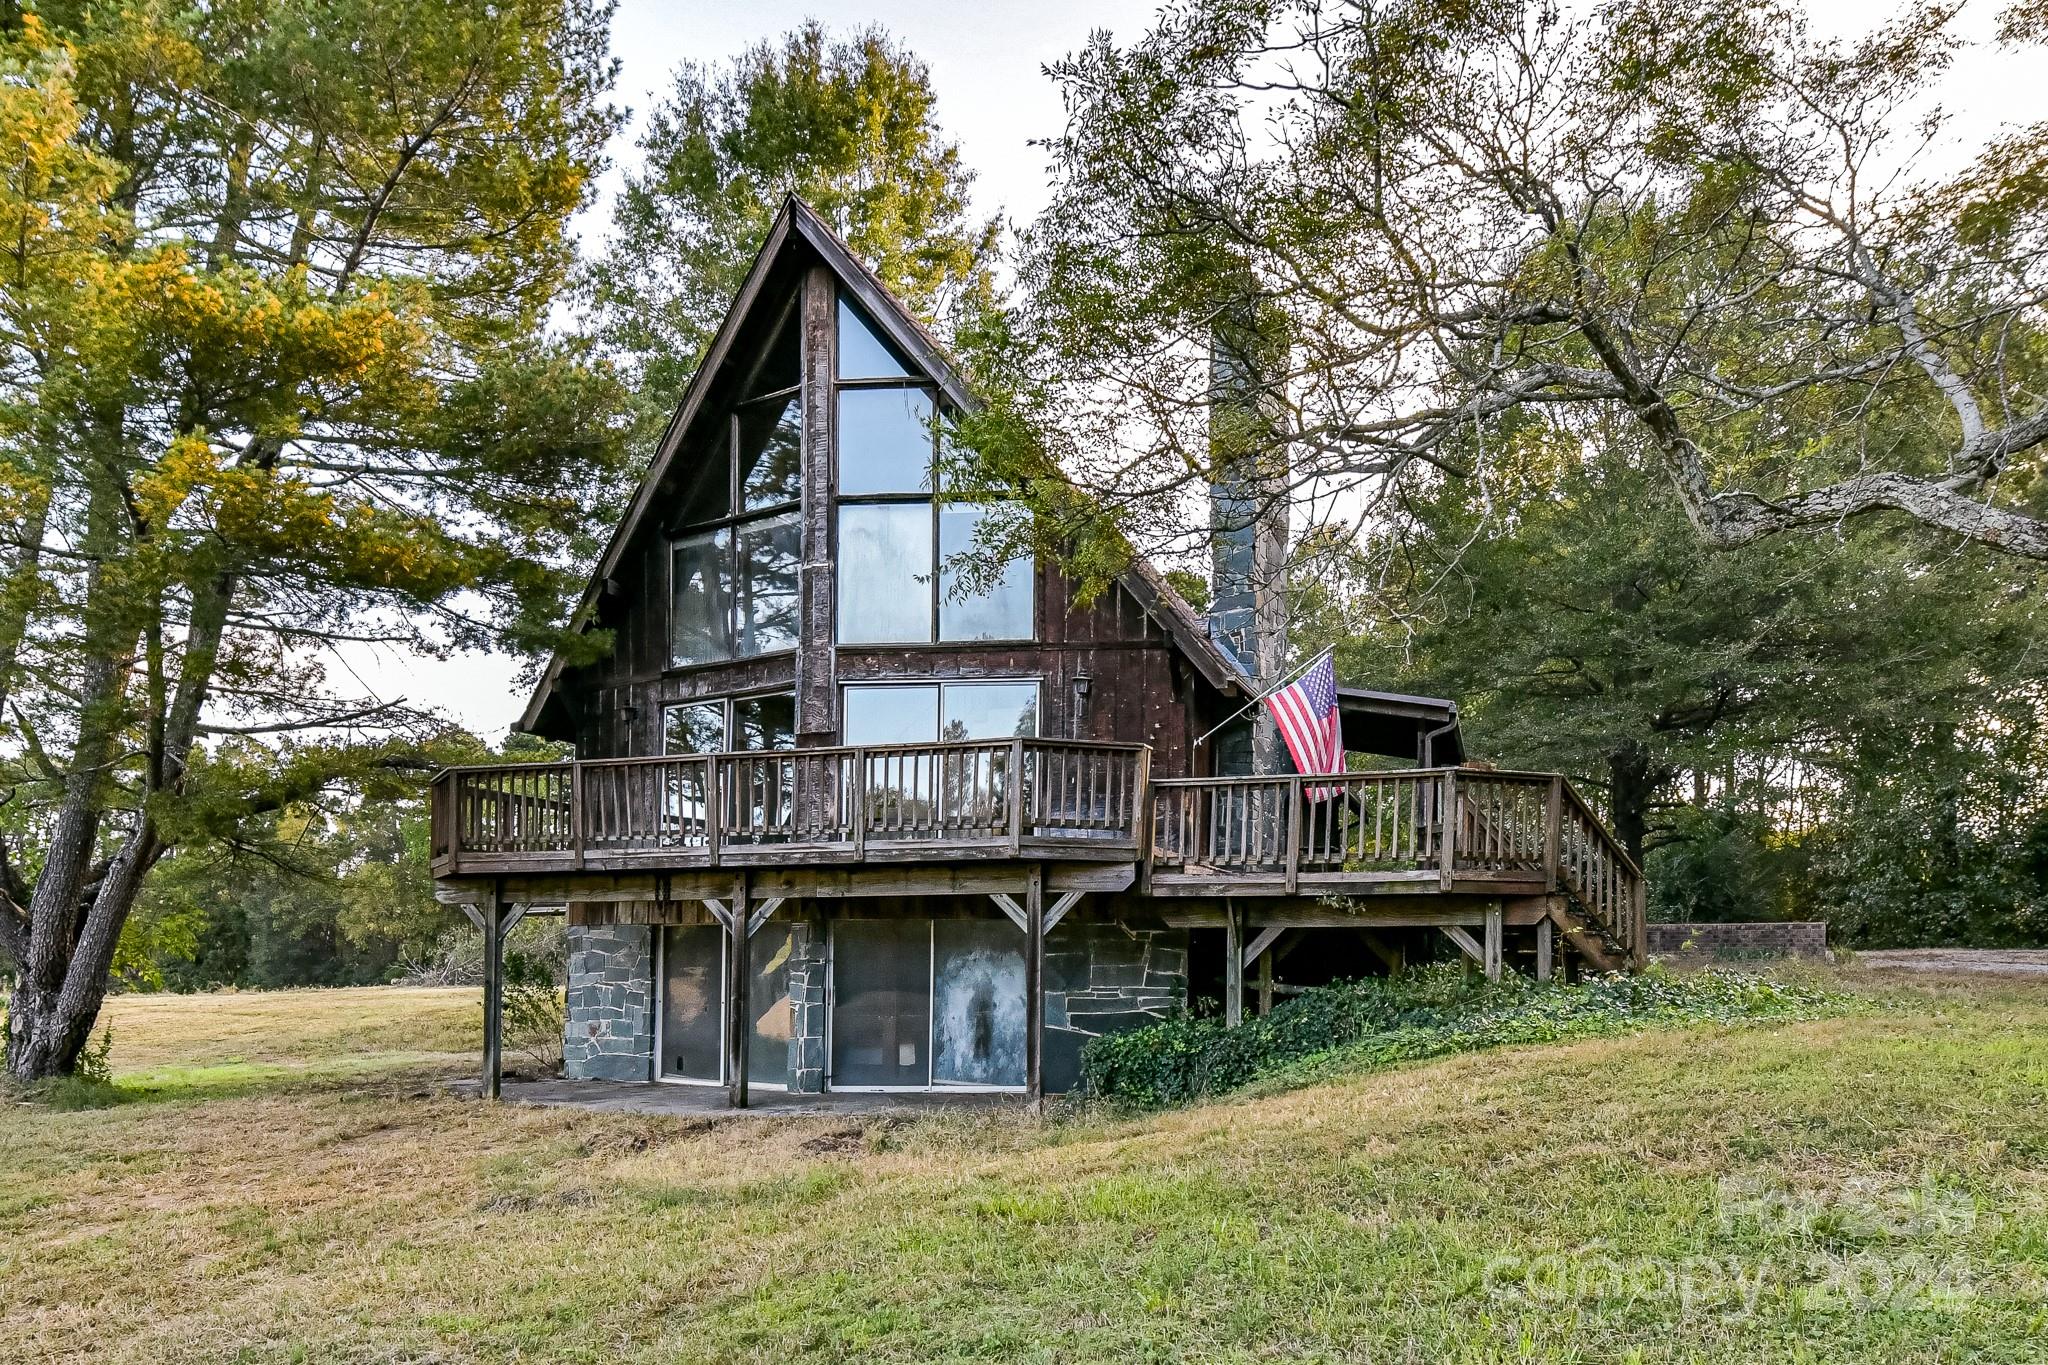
1363 1025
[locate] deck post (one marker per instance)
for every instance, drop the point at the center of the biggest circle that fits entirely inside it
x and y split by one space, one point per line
1293 841
1543 949
1034 986
493 921
1553 830
738 963
1447 830
1233 966
576 809
1494 933
1016 794
1265 983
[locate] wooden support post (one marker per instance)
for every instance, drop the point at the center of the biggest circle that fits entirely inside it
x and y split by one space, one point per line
1233 967
1447 830
1553 831
1265 984
1494 945
1543 949
1468 945
1390 955
738 962
1034 987
494 992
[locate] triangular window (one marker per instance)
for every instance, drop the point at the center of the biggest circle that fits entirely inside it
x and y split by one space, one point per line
862 353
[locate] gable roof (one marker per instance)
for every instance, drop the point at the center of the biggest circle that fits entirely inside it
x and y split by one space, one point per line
799 222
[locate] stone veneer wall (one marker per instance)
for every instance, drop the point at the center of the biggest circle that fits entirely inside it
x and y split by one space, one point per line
807 1010
1106 978
1757 938
608 1033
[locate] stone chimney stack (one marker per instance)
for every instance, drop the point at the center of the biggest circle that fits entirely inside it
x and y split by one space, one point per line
1248 512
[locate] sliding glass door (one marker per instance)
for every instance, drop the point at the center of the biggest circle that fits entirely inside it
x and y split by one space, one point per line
693 1014
925 1004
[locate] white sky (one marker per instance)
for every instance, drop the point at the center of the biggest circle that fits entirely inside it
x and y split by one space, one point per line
986 59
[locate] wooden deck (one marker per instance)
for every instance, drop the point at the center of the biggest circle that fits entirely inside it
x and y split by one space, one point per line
847 814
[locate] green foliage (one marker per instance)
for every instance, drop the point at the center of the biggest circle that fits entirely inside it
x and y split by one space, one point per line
1374 1022
849 125
95 1061
536 1007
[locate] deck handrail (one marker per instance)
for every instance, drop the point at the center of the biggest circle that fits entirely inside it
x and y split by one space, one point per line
708 807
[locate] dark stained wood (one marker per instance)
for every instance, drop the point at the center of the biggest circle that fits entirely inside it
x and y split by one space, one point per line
1034 986
817 681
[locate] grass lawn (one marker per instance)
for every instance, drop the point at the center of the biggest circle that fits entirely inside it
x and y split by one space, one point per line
287 1187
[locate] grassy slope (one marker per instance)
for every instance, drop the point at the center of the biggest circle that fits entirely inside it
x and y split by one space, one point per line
356 1219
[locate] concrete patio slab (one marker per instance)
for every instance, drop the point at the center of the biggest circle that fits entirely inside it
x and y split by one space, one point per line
643 1097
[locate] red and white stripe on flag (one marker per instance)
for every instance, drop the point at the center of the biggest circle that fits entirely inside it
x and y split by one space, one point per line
1305 711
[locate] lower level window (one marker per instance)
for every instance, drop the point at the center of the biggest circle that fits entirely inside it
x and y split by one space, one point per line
926 1004
693 1004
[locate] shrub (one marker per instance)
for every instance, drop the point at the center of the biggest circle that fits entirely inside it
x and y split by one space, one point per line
1378 1021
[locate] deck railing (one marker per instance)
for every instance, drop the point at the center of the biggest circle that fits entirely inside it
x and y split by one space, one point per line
775 806
1328 833
1460 828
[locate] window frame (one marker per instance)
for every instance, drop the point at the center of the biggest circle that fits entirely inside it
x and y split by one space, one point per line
1036 681
736 515
933 497
725 702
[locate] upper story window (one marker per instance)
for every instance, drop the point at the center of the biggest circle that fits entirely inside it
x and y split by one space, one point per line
897 537
924 713
738 546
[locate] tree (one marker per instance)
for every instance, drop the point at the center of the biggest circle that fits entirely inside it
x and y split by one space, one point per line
274 381
850 126
1695 217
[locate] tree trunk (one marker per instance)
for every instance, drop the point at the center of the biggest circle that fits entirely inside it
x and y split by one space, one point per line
1630 788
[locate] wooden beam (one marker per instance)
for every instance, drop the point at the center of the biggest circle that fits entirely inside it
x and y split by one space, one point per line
1262 941
1067 900
1391 958
1265 984
1034 990
1008 905
1233 968
739 1016
512 918
476 916
494 999
1543 950
1495 944
762 913
718 911
1465 941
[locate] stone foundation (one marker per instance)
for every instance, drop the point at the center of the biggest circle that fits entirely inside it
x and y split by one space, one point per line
807 1010
609 1033
1105 978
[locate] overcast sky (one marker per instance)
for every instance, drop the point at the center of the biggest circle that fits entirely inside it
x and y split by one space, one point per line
986 59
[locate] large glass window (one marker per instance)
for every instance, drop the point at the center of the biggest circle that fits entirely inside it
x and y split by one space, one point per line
896 540
923 713
738 547
1003 610
920 1004
693 1002
764 721
885 585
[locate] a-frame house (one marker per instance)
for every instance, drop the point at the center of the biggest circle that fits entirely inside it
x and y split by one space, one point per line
833 823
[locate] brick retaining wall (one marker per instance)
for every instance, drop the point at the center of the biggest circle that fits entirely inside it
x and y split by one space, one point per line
1761 938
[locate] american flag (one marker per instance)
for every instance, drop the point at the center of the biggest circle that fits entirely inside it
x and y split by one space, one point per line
1306 712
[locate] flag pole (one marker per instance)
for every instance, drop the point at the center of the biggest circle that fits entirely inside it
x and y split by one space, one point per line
1326 649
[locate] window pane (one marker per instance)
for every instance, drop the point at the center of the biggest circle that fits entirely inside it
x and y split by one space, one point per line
891 715
692 1002
703 600
764 722
696 727
770 552
881 1002
885 568
977 1003
990 710
771 453
862 354
885 441
1004 611
769 1030
780 368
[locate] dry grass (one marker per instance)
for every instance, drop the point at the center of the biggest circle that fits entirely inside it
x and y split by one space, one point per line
1383 1217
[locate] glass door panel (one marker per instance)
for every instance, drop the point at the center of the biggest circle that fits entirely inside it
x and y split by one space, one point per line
881 1003
768 1003
692 1002
977 1003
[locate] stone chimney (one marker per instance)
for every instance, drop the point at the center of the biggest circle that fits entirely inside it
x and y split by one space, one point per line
1248 514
